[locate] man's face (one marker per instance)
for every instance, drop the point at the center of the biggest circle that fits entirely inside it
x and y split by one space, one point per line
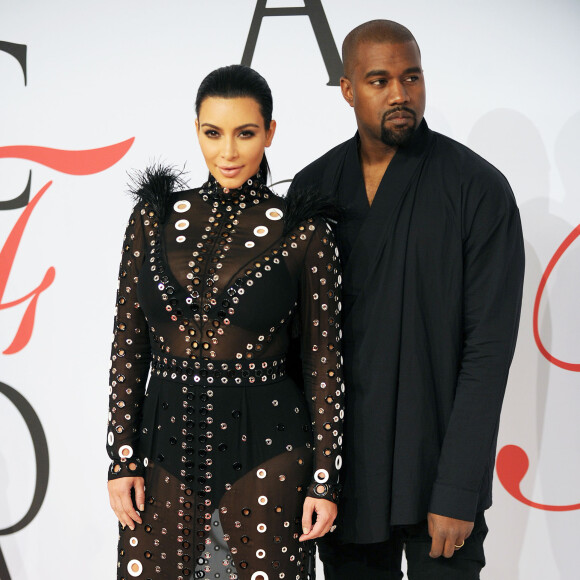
387 90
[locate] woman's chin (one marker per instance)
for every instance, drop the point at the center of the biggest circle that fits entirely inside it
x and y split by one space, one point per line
224 180
231 182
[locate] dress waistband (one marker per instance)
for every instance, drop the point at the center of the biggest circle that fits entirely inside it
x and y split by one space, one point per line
225 373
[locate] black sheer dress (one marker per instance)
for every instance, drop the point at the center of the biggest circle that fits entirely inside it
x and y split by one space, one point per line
202 403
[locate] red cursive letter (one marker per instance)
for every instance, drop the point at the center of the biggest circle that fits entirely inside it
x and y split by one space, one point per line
575 367
512 466
7 255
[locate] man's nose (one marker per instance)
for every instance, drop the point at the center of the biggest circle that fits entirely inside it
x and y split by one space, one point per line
398 93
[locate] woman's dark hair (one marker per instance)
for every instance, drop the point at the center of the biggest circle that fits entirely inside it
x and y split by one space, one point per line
234 81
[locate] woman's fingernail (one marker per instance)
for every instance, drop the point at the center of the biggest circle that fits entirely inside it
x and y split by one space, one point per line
305 530
142 507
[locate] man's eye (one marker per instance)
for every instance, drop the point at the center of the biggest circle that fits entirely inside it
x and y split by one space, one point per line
412 79
378 82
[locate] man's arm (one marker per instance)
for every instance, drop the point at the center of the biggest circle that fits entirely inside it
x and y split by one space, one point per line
493 262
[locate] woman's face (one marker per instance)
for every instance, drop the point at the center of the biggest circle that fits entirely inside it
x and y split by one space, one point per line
232 137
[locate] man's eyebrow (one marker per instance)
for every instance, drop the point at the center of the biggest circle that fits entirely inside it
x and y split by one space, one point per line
237 128
385 73
377 73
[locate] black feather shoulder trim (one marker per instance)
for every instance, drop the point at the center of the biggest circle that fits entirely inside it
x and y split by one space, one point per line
155 185
304 203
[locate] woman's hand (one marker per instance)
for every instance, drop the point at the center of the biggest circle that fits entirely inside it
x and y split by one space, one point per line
121 502
325 515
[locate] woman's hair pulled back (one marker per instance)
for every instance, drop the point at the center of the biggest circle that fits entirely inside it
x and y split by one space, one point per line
236 81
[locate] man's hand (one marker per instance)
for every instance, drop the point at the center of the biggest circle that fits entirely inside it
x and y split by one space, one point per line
447 534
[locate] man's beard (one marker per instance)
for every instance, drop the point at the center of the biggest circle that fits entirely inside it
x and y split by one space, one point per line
396 138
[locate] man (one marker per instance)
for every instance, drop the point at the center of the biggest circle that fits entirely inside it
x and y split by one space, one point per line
433 261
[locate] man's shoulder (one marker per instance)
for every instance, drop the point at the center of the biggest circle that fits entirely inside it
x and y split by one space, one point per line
314 171
470 163
475 178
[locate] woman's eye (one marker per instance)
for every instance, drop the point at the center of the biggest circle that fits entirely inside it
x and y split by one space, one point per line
247 134
211 133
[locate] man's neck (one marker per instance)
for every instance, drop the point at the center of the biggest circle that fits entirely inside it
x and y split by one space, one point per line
374 160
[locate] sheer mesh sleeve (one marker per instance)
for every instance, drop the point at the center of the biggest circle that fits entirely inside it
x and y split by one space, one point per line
321 358
130 358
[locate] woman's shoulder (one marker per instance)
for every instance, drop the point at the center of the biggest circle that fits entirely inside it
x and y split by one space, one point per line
156 186
308 204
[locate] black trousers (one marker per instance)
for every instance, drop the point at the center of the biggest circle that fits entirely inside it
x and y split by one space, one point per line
382 561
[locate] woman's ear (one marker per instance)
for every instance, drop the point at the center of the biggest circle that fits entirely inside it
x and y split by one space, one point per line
198 131
270 133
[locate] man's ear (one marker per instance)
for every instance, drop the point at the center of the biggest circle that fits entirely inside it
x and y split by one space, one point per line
346 90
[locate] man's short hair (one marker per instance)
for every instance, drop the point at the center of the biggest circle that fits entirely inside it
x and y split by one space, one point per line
378 31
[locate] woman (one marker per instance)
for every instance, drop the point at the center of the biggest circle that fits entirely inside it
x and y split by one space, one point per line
225 464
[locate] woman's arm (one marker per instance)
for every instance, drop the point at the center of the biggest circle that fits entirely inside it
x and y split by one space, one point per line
322 372
130 358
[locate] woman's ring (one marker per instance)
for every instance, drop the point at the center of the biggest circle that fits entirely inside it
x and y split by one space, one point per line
460 545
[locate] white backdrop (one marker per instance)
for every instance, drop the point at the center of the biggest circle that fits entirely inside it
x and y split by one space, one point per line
502 77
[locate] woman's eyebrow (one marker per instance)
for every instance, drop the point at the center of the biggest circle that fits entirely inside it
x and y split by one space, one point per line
237 128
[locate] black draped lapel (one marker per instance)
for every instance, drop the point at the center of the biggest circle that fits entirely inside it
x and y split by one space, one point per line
374 294
403 171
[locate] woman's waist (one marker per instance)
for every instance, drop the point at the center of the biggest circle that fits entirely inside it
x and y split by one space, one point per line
232 372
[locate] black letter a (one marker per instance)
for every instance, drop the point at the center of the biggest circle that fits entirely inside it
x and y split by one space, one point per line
313 9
